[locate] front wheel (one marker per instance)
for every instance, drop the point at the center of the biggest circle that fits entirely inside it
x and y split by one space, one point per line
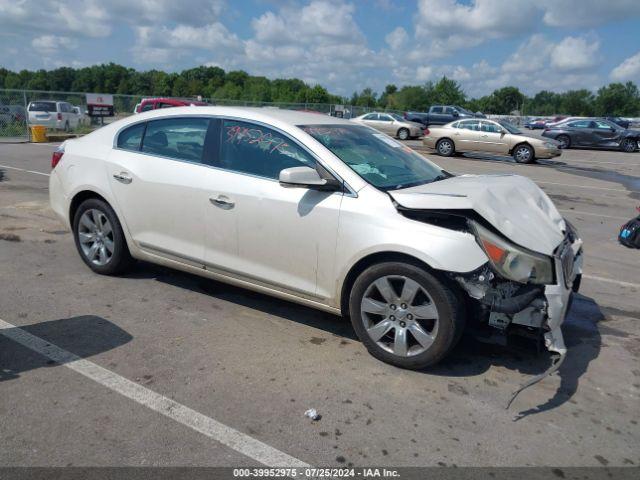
404 315
403 134
99 238
445 147
628 145
523 154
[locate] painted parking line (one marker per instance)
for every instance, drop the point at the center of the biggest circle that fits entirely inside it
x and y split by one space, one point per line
207 426
578 212
23 170
611 280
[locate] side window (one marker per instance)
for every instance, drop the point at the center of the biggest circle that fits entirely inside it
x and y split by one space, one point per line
385 118
580 124
146 107
179 138
371 116
603 125
470 125
456 125
131 138
489 127
449 110
436 109
165 105
257 150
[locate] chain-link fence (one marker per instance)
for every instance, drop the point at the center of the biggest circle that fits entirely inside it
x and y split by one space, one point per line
19 111
13 116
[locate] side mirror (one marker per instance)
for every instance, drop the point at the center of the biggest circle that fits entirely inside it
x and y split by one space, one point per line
306 177
456 114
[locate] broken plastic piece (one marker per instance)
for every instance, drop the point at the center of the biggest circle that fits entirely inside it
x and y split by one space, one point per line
313 414
555 343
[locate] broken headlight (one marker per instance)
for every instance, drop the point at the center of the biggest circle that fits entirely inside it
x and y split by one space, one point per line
513 262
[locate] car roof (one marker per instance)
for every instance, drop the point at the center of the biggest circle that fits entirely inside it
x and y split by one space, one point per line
267 115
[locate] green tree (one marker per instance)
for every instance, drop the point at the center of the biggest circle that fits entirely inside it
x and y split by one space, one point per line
446 92
618 99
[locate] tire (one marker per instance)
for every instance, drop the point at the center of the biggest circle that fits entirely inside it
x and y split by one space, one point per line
382 333
523 153
403 134
628 145
103 248
565 141
445 147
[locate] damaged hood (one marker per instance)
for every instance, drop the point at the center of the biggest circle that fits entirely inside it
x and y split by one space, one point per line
513 204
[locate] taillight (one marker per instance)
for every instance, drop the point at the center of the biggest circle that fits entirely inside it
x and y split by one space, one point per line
426 131
56 156
59 116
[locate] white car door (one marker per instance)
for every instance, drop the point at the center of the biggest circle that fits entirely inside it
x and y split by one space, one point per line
286 236
161 183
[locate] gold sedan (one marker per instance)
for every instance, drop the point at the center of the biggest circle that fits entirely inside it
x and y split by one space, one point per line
391 124
489 136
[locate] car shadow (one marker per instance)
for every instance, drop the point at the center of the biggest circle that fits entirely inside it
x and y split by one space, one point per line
470 358
84 336
582 339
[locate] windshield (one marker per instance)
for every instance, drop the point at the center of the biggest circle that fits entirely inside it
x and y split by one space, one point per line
42 107
510 128
377 158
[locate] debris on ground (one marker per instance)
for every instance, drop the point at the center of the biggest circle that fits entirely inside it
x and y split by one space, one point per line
313 414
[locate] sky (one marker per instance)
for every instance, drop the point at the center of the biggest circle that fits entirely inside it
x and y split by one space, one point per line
343 45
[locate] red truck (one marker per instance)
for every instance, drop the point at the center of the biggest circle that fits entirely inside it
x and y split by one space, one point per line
163 102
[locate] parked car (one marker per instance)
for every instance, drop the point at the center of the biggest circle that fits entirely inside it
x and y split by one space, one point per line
324 212
441 115
154 103
537 124
82 117
593 133
621 122
391 124
53 114
6 116
488 136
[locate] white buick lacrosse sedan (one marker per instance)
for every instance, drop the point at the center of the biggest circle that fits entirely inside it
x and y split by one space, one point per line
327 213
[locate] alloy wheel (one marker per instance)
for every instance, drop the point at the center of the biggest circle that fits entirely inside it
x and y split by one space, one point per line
95 235
628 145
399 315
445 147
523 154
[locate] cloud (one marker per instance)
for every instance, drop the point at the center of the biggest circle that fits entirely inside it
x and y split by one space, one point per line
531 56
587 13
397 38
48 44
627 70
574 54
193 12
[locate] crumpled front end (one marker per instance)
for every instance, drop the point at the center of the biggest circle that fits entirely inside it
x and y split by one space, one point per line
534 311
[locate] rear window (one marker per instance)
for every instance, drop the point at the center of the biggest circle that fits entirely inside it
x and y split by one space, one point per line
179 138
42 107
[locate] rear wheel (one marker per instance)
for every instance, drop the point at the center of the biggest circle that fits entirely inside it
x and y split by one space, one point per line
404 316
445 147
565 141
99 238
628 145
523 154
403 134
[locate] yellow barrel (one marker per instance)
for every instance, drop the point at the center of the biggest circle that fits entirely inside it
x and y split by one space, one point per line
38 133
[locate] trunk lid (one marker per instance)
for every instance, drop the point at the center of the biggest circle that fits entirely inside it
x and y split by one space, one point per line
513 204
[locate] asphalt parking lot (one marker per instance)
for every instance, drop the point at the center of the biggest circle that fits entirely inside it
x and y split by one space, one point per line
171 369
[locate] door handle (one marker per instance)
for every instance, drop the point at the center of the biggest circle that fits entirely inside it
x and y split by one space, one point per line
122 177
484 136
223 202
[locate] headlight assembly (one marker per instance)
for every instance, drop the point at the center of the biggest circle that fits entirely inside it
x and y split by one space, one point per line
550 145
513 262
